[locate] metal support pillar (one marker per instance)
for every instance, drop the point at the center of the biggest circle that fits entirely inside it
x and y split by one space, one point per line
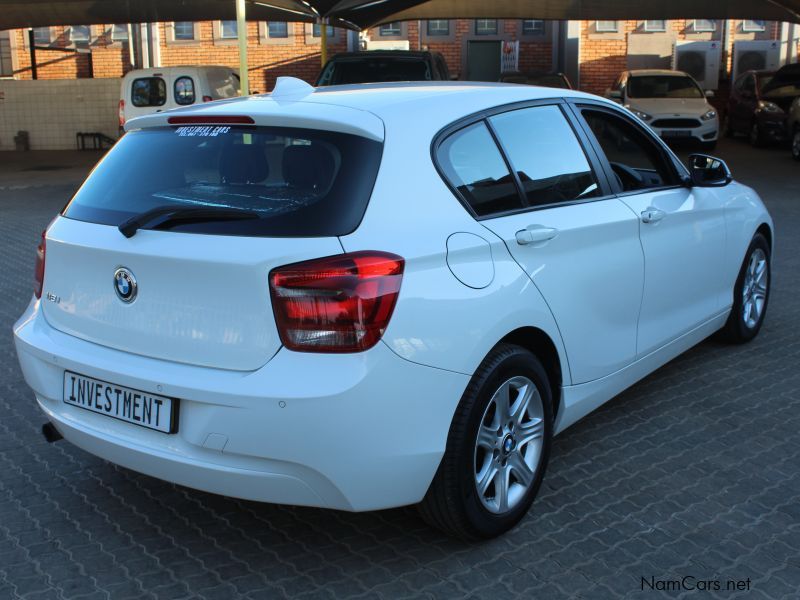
241 34
32 47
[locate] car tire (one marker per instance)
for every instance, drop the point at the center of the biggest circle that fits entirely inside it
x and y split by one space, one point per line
796 143
755 137
750 294
481 489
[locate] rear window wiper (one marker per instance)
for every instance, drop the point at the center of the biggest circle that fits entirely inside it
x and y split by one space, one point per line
161 215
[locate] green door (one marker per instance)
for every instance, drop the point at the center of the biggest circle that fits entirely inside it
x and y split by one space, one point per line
483 61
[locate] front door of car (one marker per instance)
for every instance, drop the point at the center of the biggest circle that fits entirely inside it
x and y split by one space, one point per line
682 229
580 247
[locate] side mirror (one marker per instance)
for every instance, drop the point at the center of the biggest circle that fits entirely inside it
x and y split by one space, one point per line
615 95
709 93
708 171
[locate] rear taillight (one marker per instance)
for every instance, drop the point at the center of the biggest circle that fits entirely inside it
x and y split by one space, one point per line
122 113
207 98
336 304
38 275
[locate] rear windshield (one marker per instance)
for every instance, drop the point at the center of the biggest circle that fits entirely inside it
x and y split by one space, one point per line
301 182
663 86
375 69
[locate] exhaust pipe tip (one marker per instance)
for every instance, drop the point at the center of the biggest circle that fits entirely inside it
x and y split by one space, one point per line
50 433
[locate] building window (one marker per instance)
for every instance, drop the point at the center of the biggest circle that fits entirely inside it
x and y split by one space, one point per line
228 30
277 29
485 26
80 34
705 25
390 29
752 25
5 55
42 36
532 27
438 27
606 26
184 30
119 33
315 31
655 25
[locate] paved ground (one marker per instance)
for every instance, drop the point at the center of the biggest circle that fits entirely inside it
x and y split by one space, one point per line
693 472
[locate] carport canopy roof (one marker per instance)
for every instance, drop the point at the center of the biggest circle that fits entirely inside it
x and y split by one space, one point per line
360 14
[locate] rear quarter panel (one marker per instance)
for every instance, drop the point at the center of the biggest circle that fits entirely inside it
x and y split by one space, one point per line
439 321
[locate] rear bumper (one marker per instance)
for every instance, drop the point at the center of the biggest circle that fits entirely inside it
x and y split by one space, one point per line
353 431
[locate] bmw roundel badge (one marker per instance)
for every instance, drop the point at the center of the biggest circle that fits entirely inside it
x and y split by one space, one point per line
125 285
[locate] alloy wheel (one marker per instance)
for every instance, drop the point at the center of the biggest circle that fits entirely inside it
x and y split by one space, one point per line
754 289
509 445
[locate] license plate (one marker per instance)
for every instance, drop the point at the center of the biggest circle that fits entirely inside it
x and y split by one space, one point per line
673 133
126 404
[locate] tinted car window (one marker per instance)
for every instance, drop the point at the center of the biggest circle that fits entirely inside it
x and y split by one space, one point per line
300 182
149 91
184 90
473 164
546 155
663 86
637 161
375 69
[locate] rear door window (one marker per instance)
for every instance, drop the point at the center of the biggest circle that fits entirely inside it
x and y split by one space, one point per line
149 91
301 182
546 155
184 90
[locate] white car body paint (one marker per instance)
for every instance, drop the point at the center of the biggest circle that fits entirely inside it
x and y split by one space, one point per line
367 430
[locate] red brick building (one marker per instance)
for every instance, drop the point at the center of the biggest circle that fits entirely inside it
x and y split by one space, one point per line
591 52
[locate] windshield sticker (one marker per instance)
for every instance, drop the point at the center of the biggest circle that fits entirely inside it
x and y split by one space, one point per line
202 131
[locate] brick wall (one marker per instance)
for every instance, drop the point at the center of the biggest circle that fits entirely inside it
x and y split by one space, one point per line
53 111
604 55
298 55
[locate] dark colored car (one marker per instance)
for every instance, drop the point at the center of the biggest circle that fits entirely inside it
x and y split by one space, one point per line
540 78
759 103
373 66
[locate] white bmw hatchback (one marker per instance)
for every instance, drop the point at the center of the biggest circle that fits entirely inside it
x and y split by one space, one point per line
372 296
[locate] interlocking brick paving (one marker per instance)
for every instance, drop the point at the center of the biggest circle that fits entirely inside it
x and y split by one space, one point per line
694 471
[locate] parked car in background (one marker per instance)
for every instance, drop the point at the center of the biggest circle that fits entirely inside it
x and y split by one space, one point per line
541 78
671 103
147 91
362 297
375 66
752 114
793 127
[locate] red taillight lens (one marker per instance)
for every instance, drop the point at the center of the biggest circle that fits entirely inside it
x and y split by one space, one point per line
336 304
38 275
122 113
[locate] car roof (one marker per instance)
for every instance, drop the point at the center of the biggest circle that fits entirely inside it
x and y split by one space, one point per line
648 72
369 108
392 53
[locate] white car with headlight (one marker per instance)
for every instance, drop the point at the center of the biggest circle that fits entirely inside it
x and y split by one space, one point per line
372 296
671 103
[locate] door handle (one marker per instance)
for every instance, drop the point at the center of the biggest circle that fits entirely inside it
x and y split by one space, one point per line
652 215
535 234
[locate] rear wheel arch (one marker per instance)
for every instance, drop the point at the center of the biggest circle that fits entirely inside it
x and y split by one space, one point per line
540 344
